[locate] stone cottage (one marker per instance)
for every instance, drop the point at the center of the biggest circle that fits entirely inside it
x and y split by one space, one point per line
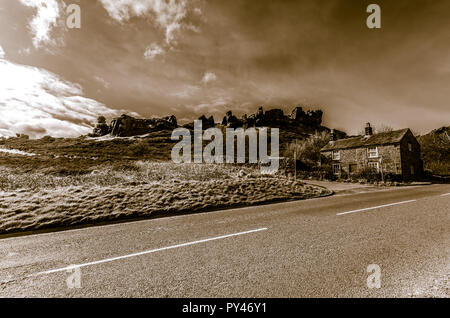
394 152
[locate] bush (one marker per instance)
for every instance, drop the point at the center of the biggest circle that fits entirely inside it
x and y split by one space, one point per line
344 175
369 174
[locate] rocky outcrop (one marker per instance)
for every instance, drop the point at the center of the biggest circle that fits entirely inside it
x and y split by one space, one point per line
125 126
207 122
275 118
311 118
231 121
101 129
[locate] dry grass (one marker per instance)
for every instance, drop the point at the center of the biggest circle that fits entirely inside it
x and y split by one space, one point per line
37 200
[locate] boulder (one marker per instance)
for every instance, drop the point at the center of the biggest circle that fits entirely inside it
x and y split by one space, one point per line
231 121
274 114
125 125
101 129
312 118
248 121
207 122
297 113
172 120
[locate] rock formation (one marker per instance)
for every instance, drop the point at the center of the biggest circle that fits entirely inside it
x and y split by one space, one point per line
310 118
101 128
125 126
231 121
207 122
275 118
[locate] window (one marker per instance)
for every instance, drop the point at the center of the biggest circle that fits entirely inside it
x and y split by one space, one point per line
336 168
336 155
372 152
374 165
412 169
409 146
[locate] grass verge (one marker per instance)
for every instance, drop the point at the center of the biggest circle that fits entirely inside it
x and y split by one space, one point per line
37 200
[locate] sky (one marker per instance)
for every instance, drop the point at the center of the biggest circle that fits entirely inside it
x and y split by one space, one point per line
192 57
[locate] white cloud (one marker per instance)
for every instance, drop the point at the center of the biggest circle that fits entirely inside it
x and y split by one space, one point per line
2 53
168 14
209 77
37 102
46 18
186 91
102 81
25 51
153 51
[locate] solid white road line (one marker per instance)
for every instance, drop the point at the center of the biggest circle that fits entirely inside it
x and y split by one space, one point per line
375 207
145 252
445 194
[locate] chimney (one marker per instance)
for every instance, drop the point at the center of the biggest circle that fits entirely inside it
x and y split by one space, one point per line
369 131
333 135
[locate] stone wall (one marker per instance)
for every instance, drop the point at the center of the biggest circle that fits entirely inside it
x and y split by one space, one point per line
411 159
391 159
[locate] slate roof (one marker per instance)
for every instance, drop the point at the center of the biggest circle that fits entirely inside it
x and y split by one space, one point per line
385 138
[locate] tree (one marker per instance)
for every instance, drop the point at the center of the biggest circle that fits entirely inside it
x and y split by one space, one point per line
308 150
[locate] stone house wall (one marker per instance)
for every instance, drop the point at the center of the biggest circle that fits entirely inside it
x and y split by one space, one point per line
412 164
357 158
402 158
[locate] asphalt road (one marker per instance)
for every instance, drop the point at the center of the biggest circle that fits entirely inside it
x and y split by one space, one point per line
312 248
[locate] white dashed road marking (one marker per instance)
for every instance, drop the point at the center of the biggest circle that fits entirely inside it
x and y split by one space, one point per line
145 252
375 207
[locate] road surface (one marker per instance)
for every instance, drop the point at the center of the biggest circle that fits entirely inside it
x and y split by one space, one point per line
311 248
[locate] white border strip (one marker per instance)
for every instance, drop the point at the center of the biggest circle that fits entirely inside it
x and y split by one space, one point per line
375 207
145 252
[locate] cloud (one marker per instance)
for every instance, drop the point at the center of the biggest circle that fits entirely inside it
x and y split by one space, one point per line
37 102
46 18
2 53
153 51
102 81
25 51
167 14
186 91
209 77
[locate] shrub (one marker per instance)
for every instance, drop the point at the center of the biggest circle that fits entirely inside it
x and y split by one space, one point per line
369 174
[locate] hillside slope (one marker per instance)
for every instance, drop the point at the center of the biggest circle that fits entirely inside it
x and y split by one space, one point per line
436 150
